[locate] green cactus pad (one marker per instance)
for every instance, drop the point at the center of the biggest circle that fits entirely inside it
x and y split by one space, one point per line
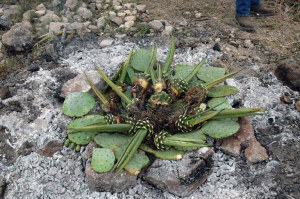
223 104
221 91
78 104
220 128
102 160
87 120
140 59
135 165
82 138
112 141
209 74
182 71
193 136
170 154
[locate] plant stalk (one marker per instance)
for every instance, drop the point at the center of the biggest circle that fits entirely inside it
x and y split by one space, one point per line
195 71
170 56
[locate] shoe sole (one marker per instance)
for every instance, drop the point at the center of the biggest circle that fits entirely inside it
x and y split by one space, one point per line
244 28
261 15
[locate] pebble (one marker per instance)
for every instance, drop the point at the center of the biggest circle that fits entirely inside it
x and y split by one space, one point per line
255 152
248 44
116 20
156 25
106 42
141 8
297 105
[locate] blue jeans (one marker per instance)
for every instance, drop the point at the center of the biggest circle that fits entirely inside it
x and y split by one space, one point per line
243 6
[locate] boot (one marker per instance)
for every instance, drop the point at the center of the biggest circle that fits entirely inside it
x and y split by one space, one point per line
245 23
262 11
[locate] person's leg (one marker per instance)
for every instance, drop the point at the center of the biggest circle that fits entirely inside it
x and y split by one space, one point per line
255 3
243 7
242 15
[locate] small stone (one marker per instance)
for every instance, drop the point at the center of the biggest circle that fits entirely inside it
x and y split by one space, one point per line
50 148
106 42
241 58
4 92
93 28
130 18
256 59
168 30
271 165
80 28
71 4
84 13
118 8
217 47
26 148
246 132
183 23
120 36
5 23
289 71
41 7
156 25
128 12
141 8
285 99
297 105
255 152
100 23
121 14
128 24
231 146
18 38
112 14
116 20
184 176
217 40
248 44
80 83
198 15
87 154
55 27
109 181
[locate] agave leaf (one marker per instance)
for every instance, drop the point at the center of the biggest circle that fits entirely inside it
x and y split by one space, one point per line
102 160
130 76
171 154
78 104
213 103
135 165
112 141
140 60
193 136
209 73
220 128
221 91
182 71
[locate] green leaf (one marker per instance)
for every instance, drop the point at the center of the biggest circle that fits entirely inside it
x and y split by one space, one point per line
130 76
78 104
135 165
209 73
182 71
87 120
82 138
220 128
102 160
112 141
140 59
193 136
219 104
171 154
221 91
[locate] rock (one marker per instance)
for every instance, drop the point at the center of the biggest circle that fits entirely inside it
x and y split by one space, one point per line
84 13
55 27
7 153
248 44
110 181
26 148
80 84
183 23
48 18
130 18
156 25
40 13
50 148
297 105
77 27
285 99
118 8
217 47
141 8
289 71
255 152
241 58
18 38
121 14
246 132
116 20
128 12
41 7
168 30
4 92
101 22
5 23
2 186
27 16
231 146
71 4
128 24
106 42
93 28
120 36
112 13
184 176
198 15
87 154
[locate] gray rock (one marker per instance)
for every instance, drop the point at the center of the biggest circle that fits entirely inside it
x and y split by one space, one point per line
4 92
48 18
141 8
289 69
50 148
87 154
156 25
184 176
28 15
84 13
109 181
130 18
26 148
80 84
5 23
71 4
18 38
7 152
106 42
101 22
248 44
2 186
116 20
80 28
55 27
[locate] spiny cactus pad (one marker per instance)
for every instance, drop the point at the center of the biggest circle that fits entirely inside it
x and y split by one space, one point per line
78 104
102 160
158 109
220 128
